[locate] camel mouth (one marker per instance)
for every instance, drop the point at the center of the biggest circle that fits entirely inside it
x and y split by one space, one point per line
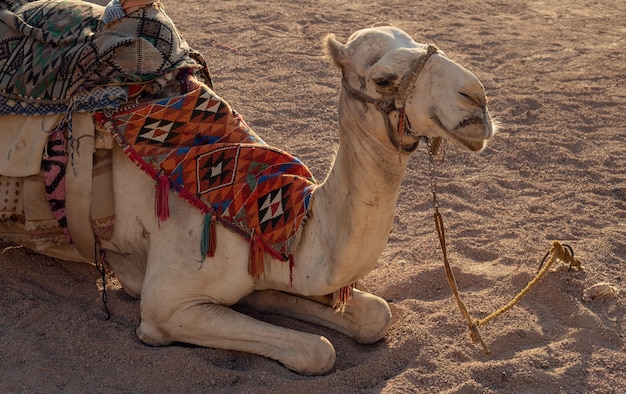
471 133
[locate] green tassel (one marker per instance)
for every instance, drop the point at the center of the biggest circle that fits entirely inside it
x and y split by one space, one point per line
207 239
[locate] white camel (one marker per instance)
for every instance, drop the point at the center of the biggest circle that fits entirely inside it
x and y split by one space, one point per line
395 91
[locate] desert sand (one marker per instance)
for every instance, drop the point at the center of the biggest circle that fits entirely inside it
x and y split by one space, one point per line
555 74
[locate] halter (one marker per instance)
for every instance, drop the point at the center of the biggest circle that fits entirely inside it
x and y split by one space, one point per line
397 102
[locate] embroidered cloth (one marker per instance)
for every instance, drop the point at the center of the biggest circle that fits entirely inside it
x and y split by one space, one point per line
52 50
218 164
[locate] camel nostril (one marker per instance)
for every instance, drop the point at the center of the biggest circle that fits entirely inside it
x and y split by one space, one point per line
479 101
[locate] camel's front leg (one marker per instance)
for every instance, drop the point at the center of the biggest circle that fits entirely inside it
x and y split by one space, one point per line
366 317
219 326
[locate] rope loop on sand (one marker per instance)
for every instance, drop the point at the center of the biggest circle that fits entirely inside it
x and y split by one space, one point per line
559 251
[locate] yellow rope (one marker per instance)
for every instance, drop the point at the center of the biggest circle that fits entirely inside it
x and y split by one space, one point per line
558 252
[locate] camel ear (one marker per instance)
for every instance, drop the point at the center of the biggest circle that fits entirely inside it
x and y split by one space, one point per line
335 51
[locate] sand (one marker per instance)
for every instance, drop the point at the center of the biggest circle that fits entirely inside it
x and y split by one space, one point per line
555 75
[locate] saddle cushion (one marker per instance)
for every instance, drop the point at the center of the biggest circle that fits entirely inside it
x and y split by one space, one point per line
52 50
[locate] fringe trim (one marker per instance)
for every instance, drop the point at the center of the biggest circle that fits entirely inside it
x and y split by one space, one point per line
108 124
343 296
256 258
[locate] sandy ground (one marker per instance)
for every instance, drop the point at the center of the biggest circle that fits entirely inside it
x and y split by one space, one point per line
555 75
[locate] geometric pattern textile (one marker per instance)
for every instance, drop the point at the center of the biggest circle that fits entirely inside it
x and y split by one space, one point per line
50 50
53 166
216 162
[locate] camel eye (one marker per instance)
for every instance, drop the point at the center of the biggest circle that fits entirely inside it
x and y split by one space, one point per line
382 82
385 81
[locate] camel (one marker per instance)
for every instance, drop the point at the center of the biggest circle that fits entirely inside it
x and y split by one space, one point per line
395 92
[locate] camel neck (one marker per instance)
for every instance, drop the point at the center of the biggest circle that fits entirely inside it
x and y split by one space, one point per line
366 157
363 184
352 211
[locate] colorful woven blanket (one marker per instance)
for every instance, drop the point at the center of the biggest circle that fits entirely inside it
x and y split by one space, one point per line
58 55
202 149
61 56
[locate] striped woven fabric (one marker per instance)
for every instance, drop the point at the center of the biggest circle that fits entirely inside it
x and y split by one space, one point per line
50 51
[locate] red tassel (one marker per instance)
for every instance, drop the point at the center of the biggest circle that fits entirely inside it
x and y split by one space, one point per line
161 196
345 293
256 265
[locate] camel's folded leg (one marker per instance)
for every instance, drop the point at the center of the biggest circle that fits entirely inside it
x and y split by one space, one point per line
365 318
219 326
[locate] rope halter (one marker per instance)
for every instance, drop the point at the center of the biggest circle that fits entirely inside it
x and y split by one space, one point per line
397 102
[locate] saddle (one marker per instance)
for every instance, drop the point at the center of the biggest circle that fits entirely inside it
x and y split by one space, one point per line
71 86
61 62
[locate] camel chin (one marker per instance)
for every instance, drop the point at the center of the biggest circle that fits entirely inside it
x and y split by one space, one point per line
473 135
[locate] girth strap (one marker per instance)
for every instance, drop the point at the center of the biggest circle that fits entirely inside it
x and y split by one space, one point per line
78 186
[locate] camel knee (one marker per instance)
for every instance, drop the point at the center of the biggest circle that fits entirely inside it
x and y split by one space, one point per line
315 357
323 356
151 335
154 329
371 316
219 326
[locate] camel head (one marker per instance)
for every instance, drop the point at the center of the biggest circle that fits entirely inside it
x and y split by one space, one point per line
416 88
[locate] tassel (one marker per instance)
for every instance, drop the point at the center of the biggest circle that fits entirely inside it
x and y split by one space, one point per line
345 293
208 241
161 198
256 257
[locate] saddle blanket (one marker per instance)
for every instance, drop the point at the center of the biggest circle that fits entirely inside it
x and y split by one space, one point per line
212 159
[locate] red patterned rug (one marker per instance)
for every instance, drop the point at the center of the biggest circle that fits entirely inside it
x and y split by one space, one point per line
198 146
